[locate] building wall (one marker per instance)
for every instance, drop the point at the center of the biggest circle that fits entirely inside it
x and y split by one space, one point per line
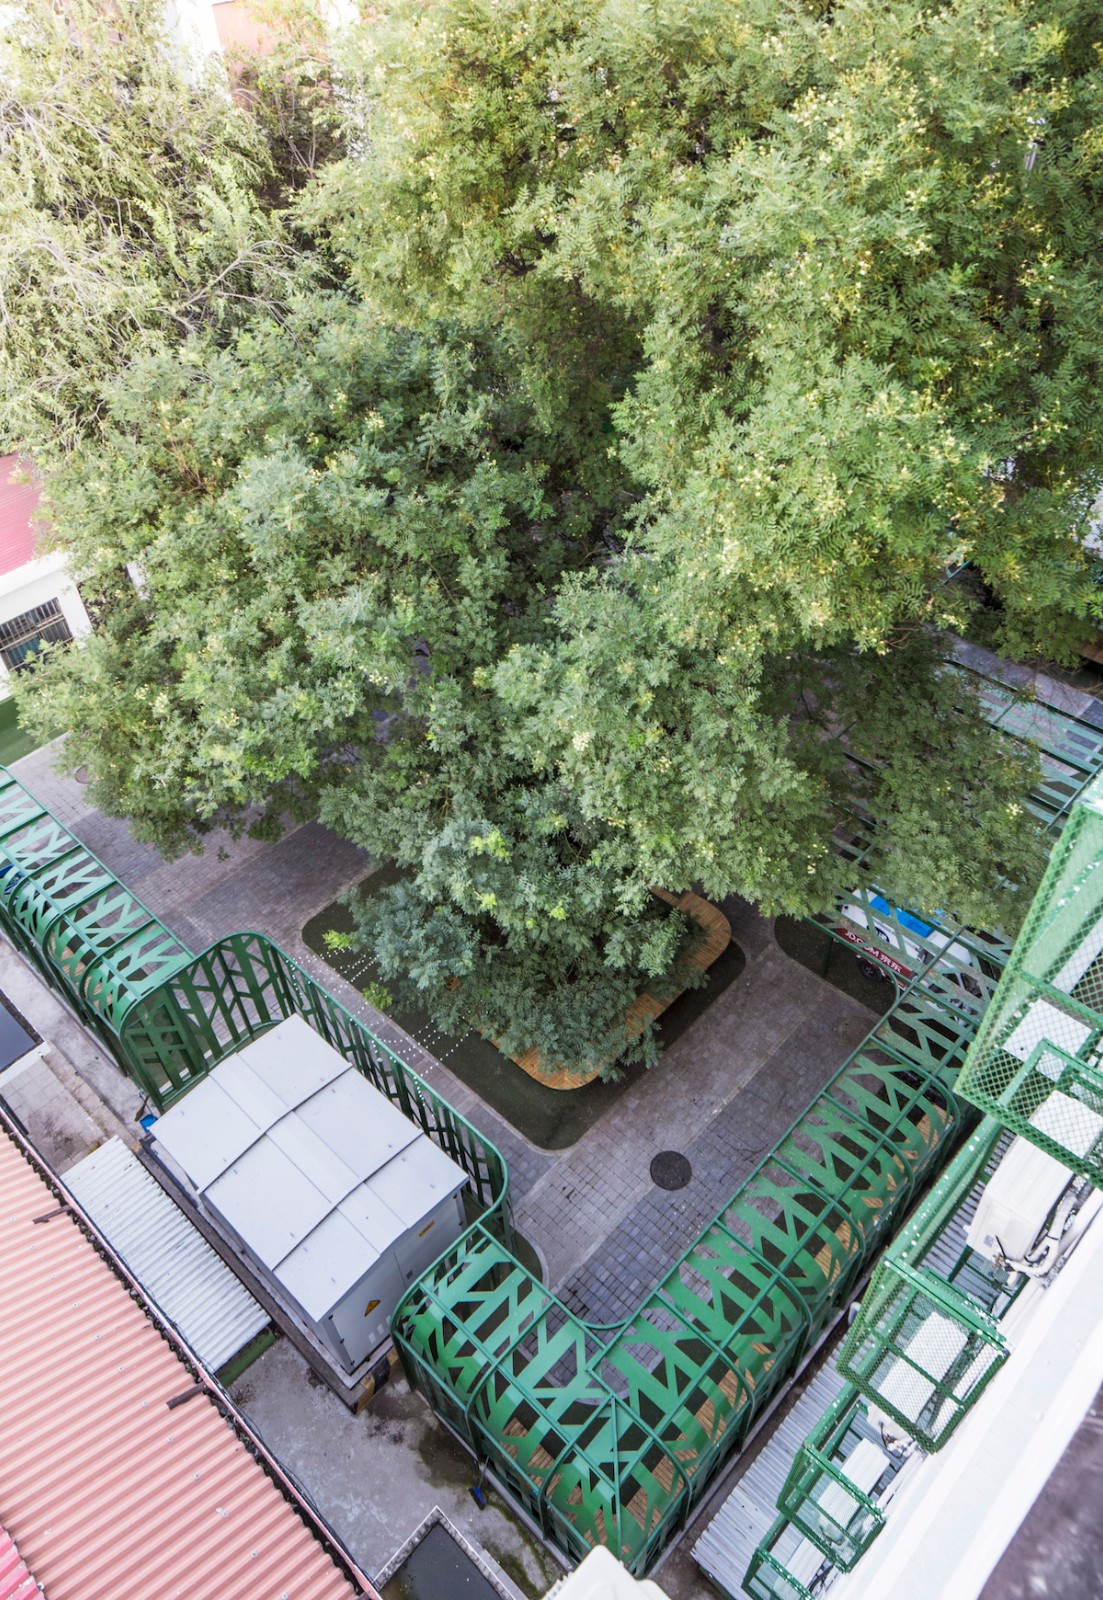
33 584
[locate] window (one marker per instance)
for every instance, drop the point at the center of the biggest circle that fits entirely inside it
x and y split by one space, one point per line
23 637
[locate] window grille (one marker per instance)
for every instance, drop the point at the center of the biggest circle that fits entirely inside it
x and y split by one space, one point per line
22 637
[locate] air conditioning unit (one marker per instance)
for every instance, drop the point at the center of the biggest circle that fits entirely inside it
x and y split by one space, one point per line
1026 1188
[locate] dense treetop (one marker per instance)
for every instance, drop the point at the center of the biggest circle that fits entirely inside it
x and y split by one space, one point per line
134 200
595 526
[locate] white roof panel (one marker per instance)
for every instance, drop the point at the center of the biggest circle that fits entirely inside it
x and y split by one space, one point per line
372 1218
314 1159
268 1202
293 1060
358 1123
1043 1021
206 1133
248 1089
417 1180
330 1260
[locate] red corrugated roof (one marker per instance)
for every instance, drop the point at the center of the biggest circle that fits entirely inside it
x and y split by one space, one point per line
17 504
107 1491
16 1582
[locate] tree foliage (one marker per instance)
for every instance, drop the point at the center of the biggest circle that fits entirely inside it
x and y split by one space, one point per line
130 209
601 535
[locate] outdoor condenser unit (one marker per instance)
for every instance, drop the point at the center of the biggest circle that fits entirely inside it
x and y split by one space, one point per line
337 1200
1021 1195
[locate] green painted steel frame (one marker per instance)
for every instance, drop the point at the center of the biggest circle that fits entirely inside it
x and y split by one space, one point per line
768 1578
818 1467
87 935
1054 978
955 1367
244 984
611 1435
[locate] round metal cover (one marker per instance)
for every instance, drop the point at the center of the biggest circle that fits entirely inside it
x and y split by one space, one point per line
671 1170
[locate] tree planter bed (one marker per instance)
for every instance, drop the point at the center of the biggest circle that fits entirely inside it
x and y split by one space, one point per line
645 1008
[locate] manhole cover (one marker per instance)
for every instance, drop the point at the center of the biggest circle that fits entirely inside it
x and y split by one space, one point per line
671 1170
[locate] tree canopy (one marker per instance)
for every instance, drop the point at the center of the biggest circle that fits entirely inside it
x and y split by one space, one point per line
600 531
133 209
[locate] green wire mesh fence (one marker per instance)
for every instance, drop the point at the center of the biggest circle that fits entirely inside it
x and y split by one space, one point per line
1037 1064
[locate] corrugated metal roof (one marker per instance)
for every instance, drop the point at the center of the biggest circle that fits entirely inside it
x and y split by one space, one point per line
106 1490
18 501
209 1307
725 1548
16 1582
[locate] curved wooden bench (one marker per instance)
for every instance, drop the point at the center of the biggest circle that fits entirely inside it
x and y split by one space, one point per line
645 1008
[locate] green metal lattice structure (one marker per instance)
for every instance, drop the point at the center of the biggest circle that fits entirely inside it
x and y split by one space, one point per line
168 1016
610 1435
87 935
604 1434
1037 1063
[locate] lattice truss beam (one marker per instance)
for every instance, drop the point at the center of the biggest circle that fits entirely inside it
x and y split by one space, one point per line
610 1437
62 909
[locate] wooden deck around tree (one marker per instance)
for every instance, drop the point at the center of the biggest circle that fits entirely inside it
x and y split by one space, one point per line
645 1008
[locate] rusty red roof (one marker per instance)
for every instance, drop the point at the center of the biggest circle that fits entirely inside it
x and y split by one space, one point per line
107 1491
18 501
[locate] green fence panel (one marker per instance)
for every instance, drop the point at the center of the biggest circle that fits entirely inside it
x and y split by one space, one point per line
921 1351
830 1494
771 1574
1037 1063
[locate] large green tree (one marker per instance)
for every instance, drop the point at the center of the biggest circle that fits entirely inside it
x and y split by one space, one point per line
602 537
134 207
309 550
843 260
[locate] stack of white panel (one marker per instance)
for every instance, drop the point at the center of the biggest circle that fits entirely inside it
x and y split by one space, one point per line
334 1196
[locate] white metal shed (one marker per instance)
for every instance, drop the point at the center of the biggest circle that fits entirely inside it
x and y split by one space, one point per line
335 1198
